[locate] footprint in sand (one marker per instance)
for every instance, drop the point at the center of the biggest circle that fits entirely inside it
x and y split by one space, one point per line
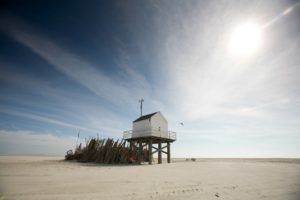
217 195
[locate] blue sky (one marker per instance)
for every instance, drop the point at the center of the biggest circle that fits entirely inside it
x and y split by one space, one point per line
72 66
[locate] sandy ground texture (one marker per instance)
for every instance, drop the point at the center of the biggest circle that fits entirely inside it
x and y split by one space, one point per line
32 177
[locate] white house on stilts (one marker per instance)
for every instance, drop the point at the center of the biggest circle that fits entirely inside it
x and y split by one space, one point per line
149 130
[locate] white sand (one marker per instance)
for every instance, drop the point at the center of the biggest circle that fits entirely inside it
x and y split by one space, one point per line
25 177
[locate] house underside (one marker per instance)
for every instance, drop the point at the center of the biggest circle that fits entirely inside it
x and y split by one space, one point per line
153 145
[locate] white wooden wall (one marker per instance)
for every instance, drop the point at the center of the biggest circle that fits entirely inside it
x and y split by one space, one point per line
157 125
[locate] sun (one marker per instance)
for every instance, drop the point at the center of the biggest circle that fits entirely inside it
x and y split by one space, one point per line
245 39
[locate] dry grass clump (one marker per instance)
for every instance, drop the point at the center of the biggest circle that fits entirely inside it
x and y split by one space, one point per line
105 151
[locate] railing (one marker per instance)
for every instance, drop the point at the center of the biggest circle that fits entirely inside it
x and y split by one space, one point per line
127 134
163 134
172 135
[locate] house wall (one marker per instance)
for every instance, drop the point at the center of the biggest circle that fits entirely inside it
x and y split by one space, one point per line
157 125
141 125
158 122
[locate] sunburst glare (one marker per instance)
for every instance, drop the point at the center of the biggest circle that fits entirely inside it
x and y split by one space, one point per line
245 39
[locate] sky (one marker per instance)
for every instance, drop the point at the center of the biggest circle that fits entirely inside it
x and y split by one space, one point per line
74 66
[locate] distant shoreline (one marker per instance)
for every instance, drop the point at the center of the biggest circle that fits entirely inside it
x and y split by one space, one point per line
178 160
235 158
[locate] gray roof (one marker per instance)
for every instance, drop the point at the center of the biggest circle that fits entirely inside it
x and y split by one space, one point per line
145 117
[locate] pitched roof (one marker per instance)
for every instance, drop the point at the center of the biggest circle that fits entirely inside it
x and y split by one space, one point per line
145 117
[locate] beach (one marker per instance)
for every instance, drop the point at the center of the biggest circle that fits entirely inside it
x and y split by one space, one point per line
50 177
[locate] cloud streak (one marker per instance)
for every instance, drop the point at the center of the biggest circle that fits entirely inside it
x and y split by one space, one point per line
28 142
45 119
62 104
127 88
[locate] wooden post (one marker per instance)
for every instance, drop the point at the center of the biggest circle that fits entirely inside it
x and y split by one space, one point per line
169 152
159 153
140 152
150 152
130 148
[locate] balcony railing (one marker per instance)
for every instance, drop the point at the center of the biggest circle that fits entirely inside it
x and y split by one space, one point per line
127 134
172 135
152 132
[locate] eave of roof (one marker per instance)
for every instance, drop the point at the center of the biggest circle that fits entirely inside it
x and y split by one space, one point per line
145 117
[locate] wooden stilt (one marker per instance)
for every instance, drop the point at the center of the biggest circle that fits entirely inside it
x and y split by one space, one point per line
169 152
137 145
140 152
150 152
159 153
130 149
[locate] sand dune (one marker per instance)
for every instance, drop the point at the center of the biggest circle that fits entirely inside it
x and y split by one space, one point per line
33 177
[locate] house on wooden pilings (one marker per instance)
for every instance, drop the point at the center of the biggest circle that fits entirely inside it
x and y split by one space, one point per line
151 131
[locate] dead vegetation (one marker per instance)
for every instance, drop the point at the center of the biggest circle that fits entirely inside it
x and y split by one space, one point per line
105 151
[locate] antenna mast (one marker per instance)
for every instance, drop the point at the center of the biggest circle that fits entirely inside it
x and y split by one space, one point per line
141 101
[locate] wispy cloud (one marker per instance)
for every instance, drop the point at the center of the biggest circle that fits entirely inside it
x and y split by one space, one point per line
45 119
29 142
120 90
59 106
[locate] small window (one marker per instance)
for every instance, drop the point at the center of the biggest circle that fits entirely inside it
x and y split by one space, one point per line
159 128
